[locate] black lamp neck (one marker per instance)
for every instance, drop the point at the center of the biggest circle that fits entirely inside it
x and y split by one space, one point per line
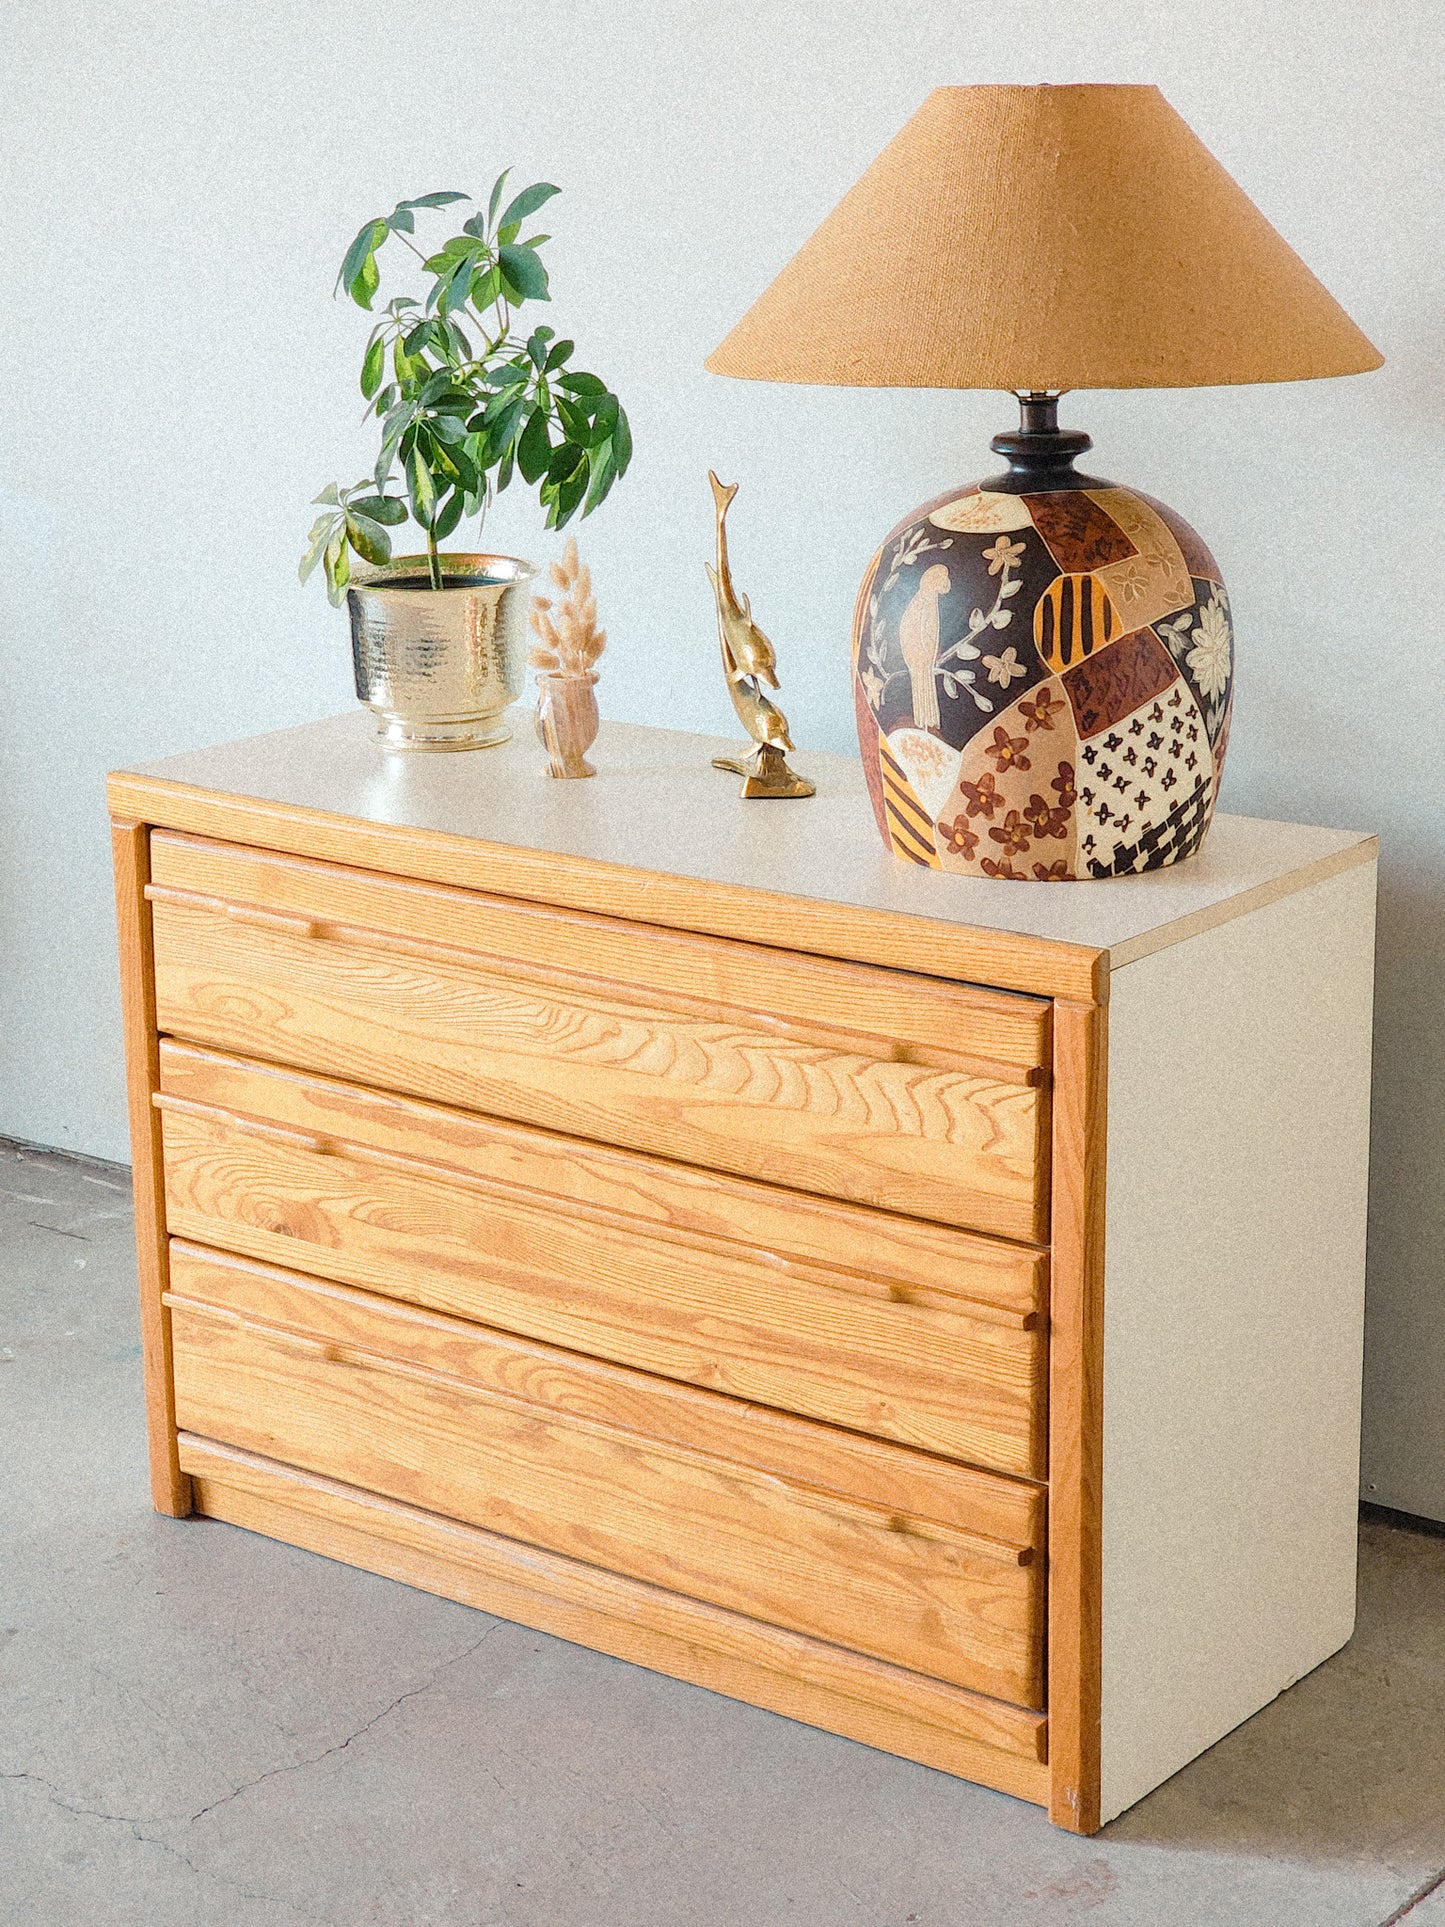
1039 453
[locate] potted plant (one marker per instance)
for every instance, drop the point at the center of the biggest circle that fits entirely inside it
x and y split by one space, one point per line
465 400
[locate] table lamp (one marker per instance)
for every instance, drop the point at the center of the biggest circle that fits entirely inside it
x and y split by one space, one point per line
1043 662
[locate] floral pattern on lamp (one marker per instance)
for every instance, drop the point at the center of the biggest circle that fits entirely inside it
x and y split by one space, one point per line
1043 685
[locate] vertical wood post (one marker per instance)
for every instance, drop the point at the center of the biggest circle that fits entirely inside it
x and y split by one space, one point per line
1076 1413
130 844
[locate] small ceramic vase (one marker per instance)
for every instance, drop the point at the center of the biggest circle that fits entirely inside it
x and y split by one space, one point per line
567 721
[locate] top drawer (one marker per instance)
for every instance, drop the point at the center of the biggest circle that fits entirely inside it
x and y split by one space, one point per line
878 1086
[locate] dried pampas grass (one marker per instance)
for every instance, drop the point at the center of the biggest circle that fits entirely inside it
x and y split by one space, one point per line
568 639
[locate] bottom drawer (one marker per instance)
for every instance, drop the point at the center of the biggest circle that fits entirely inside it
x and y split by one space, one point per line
885 1551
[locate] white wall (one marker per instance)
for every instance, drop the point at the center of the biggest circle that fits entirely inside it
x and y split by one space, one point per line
175 383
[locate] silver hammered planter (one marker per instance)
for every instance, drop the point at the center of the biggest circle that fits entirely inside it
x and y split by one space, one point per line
438 666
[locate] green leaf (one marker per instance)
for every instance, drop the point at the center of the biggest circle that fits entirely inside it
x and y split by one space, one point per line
581 384
367 241
567 457
486 286
394 427
448 428
522 271
605 416
380 508
574 420
422 489
450 515
434 200
338 568
566 495
328 496
374 366
420 336
457 287
622 443
528 201
366 283
537 348
502 432
321 532
401 221
496 201
386 400
463 460
369 539
560 351
604 474
504 473
476 226
534 447
461 346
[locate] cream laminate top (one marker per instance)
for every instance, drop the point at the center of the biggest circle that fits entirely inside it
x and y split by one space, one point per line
656 805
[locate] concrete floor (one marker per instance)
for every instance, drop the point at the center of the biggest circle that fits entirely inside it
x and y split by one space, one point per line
201 1728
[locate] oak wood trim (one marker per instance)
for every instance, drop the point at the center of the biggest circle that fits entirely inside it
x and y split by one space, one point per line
1076 1414
962 953
826 1686
130 850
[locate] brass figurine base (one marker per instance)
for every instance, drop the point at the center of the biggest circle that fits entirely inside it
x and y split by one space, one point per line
766 773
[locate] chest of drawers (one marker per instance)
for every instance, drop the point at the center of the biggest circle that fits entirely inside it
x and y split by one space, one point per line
925 1307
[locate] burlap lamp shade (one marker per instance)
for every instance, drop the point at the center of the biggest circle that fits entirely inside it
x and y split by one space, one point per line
1043 663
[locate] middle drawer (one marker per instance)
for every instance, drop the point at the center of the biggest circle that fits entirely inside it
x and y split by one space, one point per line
886 1325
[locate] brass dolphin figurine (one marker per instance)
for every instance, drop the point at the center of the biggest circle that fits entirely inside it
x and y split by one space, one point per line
748 663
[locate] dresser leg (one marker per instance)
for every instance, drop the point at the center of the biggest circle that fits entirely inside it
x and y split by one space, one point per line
130 844
1076 1402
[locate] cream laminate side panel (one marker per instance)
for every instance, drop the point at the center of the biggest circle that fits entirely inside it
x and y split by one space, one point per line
1234 1296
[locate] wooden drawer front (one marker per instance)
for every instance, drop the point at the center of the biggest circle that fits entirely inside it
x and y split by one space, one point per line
962 1379
881 1550
862 1084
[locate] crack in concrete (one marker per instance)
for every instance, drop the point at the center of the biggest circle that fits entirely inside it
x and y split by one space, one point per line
1403 1912
58 1799
134 1825
35 1225
300 1766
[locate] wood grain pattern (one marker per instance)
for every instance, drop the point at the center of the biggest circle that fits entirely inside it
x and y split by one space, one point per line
732 1090
930 946
170 1488
876 1253
1003 1034
825 1686
1009 1513
1076 1414
710 1314
903 1588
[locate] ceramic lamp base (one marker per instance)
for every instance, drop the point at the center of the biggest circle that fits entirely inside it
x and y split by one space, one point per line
1043 673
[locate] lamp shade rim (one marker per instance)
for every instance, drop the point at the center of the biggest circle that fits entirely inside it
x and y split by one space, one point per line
1053 237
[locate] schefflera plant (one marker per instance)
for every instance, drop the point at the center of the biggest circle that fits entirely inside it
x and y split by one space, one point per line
465 398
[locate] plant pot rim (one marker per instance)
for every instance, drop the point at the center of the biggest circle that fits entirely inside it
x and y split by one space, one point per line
460 570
